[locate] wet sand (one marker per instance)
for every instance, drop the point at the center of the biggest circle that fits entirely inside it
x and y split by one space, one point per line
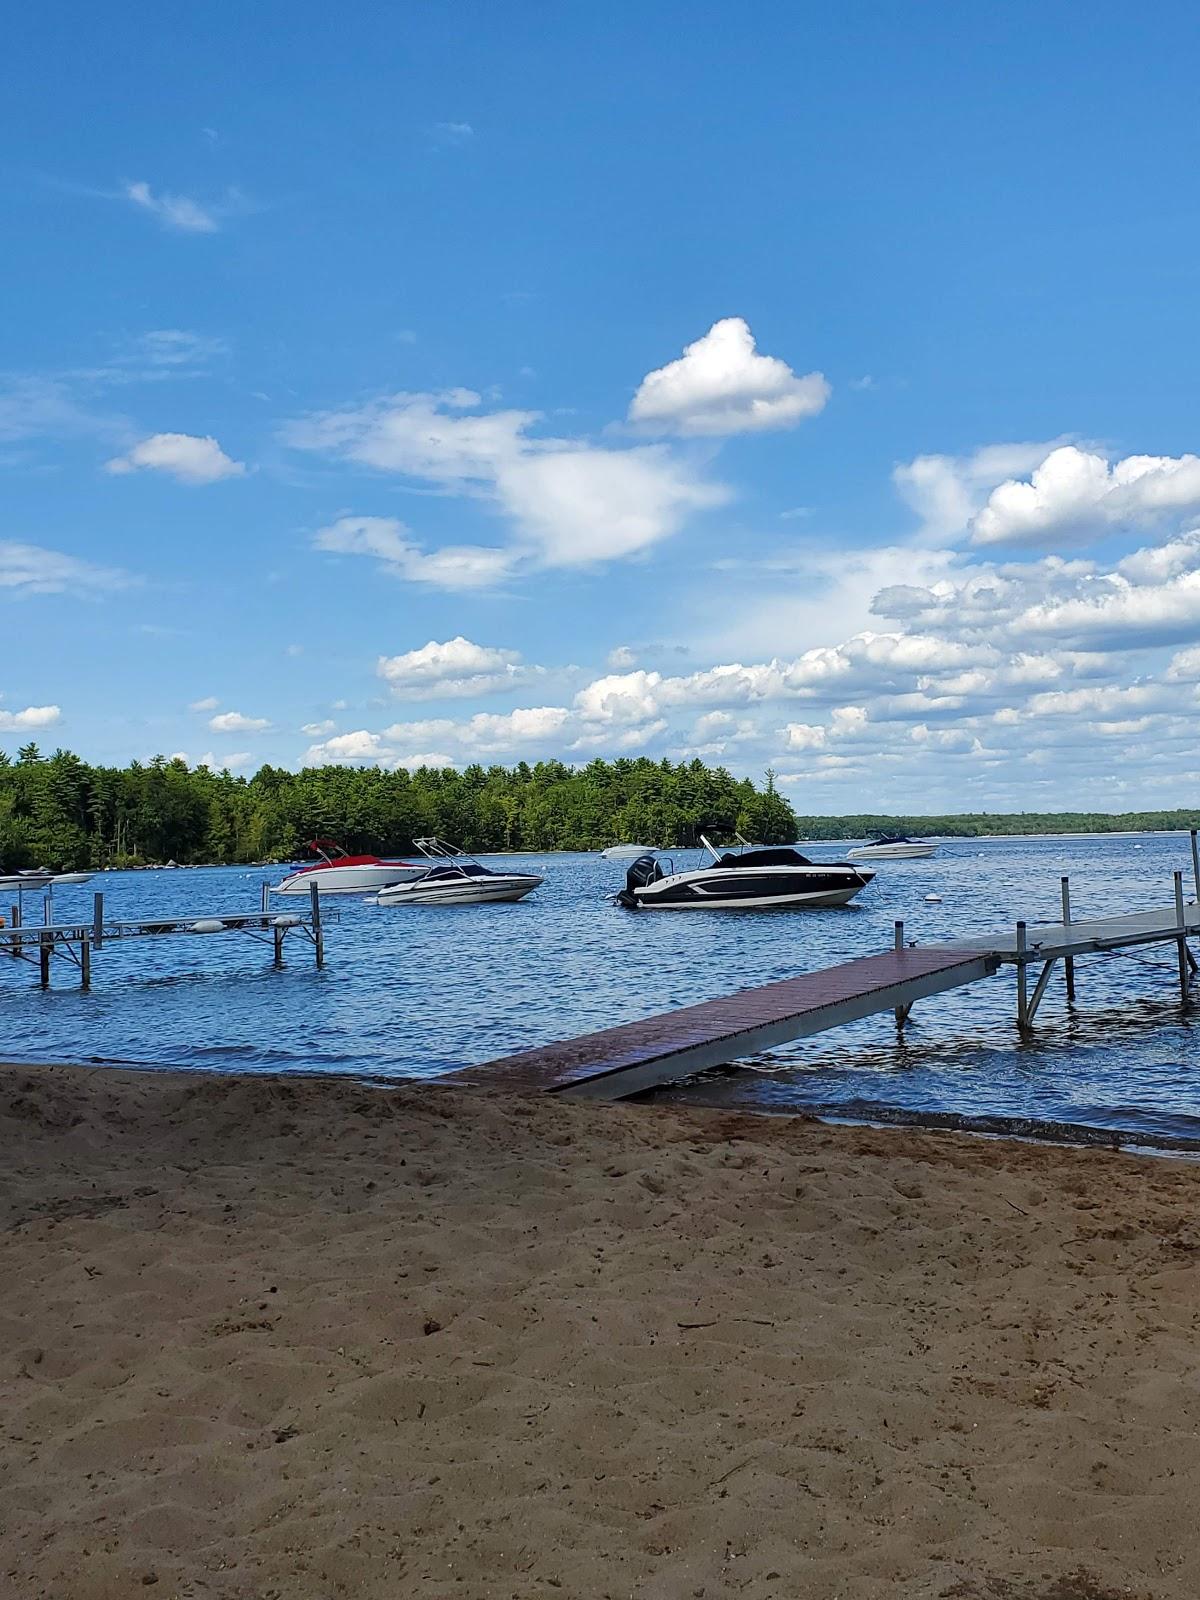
267 1339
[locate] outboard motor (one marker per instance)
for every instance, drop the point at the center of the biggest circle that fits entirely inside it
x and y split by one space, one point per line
641 872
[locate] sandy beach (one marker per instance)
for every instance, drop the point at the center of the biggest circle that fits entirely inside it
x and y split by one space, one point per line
270 1340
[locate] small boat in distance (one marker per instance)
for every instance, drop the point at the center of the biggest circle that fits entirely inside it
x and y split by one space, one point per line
752 877
455 879
627 852
892 847
338 873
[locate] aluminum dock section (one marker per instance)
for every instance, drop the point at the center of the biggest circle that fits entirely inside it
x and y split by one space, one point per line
624 1060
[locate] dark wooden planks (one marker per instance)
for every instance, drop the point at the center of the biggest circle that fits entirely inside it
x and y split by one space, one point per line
636 1055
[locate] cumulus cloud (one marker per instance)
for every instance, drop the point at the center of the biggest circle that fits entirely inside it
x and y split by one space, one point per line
235 722
182 455
30 569
209 703
176 211
387 540
31 717
721 385
230 762
317 730
451 668
567 502
1076 494
947 492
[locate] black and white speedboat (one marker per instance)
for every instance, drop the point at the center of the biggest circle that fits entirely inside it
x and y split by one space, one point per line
753 877
453 879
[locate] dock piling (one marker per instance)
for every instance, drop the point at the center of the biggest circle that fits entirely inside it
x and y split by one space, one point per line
318 937
901 1011
1069 963
44 949
278 932
1022 979
97 922
1181 939
85 964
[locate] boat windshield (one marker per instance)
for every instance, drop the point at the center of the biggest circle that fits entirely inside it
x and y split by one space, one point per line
751 855
448 861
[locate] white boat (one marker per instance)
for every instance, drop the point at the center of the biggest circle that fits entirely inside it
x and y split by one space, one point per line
750 878
335 872
627 852
33 878
892 848
454 879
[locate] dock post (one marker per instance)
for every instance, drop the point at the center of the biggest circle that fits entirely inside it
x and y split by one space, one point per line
1181 938
1069 963
1196 866
318 937
901 1011
14 921
278 932
85 963
44 960
97 922
265 898
1022 985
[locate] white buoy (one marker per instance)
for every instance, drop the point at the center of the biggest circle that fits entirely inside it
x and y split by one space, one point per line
207 925
933 899
285 922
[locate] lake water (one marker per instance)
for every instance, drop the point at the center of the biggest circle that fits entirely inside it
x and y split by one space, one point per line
421 990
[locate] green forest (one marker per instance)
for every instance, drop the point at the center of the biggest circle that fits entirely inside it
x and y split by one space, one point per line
59 812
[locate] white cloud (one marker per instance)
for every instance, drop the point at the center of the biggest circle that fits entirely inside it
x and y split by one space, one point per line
30 569
31 717
804 736
1184 667
485 732
452 668
183 455
452 133
946 492
209 703
231 762
385 538
721 385
568 502
176 347
173 210
1077 494
621 658
235 722
317 730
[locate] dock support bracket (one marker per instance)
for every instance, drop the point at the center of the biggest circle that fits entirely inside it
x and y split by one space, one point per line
1039 989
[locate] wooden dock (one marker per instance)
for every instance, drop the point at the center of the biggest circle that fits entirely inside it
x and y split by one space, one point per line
634 1056
640 1055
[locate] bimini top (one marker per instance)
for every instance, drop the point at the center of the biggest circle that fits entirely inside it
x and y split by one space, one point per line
766 856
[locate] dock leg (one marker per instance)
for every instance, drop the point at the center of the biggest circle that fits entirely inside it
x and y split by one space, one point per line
98 922
265 897
1181 940
14 921
1039 989
1022 980
901 1011
318 936
85 963
278 932
1069 963
44 960
1196 865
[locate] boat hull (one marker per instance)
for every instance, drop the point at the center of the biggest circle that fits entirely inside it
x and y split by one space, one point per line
463 892
892 852
350 880
750 889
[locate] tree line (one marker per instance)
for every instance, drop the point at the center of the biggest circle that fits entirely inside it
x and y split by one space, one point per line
60 812
985 824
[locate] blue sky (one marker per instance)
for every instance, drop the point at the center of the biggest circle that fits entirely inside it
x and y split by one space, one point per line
346 412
